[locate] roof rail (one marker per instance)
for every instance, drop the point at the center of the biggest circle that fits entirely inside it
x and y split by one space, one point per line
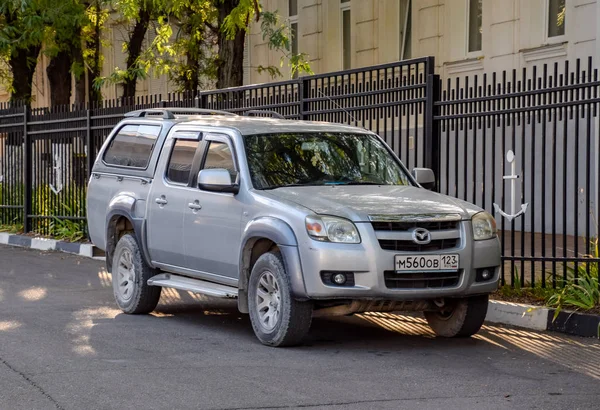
274 114
170 112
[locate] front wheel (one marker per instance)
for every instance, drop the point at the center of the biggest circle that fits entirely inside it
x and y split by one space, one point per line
277 318
462 318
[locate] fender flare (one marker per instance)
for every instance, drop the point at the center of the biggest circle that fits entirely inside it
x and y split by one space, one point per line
124 206
280 233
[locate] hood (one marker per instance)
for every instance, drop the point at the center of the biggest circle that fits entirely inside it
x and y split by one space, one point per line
357 202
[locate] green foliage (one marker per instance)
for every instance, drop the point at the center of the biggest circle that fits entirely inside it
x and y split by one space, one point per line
240 17
279 37
11 228
65 19
70 201
581 290
189 55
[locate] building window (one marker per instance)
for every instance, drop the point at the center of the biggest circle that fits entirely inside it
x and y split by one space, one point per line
293 8
405 29
556 18
475 12
346 35
293 13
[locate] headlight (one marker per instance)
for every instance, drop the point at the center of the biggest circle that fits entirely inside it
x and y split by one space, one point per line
331 229
484 226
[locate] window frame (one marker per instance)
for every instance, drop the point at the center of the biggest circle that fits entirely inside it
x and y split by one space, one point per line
195 159
474 53
554 39
293 19
215 137
116 134
345 6
403 38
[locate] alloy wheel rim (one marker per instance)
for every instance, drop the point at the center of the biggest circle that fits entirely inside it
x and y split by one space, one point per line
125 275
268 301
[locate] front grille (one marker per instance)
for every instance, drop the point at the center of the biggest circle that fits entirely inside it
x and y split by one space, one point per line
406 226
420 280
410 246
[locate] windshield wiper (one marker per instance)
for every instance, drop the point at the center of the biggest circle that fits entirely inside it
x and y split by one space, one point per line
360 183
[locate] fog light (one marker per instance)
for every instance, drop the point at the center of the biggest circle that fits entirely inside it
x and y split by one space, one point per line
339 278
485 274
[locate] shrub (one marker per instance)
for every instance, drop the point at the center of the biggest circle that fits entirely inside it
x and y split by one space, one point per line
581 289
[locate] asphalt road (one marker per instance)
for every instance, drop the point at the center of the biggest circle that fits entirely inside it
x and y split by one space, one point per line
63 345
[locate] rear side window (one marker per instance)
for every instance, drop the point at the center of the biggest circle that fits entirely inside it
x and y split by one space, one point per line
180 163
132 146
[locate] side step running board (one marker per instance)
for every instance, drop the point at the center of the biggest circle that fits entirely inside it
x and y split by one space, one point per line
168 280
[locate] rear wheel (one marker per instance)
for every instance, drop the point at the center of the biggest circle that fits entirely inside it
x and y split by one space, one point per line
130 274
277 318
462 318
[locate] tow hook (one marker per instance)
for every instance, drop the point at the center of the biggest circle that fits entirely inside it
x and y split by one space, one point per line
439 302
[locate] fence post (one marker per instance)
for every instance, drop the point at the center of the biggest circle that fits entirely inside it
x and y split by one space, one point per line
431 147
88 143
27 172
202 100
303 95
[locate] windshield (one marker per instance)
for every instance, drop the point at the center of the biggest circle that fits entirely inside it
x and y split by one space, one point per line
278 160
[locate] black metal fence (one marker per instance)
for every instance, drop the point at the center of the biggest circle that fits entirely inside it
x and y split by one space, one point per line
462 129
548 118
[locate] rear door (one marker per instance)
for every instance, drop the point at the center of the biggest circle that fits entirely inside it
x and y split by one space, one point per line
212 226
167 200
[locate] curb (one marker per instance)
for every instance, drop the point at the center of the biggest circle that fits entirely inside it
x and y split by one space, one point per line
45 244
505 313
542 319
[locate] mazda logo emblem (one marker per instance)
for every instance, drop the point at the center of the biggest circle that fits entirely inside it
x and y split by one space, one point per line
421 236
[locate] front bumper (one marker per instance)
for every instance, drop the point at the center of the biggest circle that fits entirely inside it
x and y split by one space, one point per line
368 262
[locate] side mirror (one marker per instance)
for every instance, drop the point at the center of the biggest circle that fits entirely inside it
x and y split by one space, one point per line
425 177
217 180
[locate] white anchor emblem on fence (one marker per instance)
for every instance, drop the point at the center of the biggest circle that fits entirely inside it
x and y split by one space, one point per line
510 157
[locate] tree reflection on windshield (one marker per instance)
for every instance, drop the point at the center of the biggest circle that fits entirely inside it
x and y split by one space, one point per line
277 160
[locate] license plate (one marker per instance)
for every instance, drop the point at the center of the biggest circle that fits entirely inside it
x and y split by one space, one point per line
411 263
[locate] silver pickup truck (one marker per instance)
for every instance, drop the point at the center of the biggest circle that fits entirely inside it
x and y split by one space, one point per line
294 219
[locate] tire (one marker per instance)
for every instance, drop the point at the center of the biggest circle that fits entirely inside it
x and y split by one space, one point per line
290 319
130 274
464 320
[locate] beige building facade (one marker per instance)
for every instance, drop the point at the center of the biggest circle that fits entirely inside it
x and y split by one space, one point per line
466 37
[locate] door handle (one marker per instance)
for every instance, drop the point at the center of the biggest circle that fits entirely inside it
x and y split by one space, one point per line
195 205
162 200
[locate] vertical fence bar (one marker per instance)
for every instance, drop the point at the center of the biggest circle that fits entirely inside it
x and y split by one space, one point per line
431 144
27 176
89 158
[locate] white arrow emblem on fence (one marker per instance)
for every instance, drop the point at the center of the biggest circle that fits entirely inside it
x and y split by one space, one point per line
57 175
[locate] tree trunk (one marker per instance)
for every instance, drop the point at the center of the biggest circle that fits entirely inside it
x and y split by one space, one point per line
79 76
134 48
192 82
22 64
59 78
230 61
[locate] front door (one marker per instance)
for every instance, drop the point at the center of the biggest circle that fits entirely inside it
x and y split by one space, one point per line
212 226
168 200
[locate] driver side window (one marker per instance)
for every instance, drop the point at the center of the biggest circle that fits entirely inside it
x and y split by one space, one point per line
219 156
